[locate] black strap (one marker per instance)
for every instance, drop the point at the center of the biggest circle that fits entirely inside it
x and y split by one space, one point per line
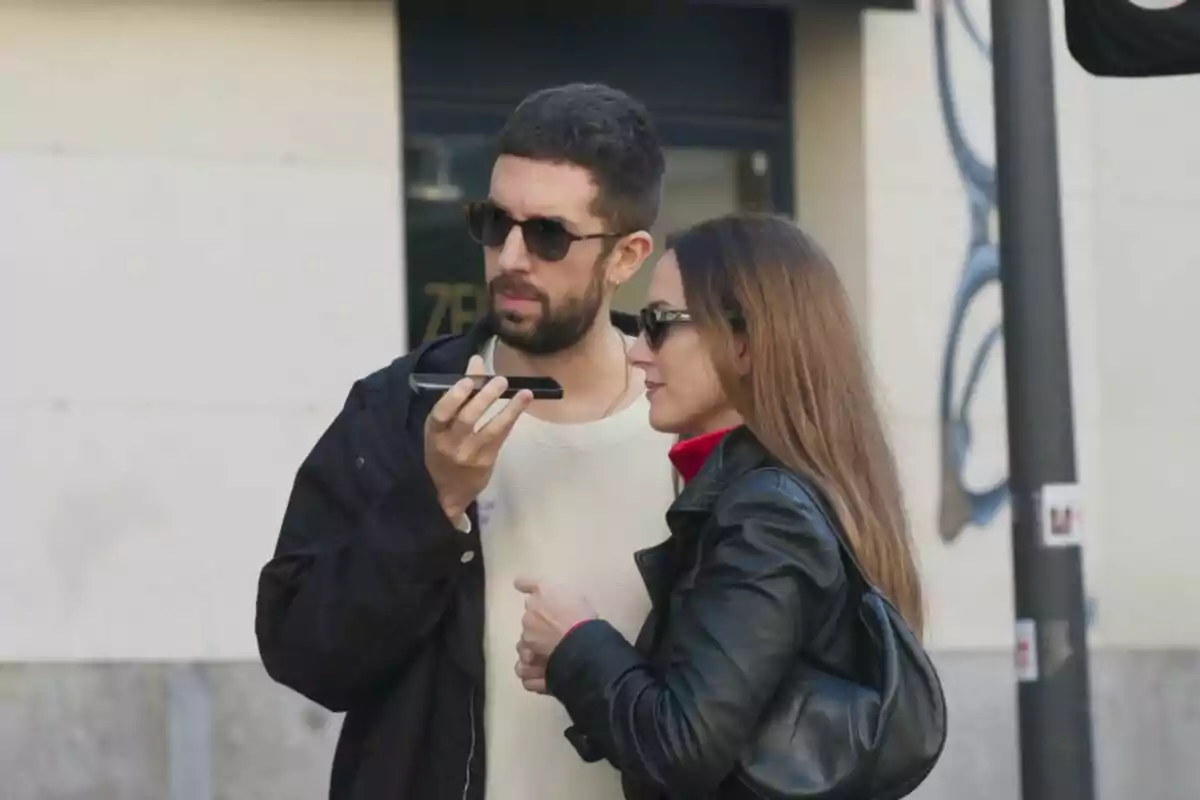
818 499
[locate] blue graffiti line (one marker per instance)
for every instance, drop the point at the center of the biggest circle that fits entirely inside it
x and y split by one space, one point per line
960 505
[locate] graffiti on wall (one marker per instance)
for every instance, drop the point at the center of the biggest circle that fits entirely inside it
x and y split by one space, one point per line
961 504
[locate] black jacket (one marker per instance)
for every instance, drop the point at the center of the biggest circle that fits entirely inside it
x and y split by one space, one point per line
751 576
373 603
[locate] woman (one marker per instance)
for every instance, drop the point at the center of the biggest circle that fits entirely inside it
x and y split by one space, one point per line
750 350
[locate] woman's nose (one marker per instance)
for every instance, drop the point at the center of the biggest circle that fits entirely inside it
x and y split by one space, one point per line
640 355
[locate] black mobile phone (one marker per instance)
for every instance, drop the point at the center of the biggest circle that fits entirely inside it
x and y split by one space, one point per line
542 388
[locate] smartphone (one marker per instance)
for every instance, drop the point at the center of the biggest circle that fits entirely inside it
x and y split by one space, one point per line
542 388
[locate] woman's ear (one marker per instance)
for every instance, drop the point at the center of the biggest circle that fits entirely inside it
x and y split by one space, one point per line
741 354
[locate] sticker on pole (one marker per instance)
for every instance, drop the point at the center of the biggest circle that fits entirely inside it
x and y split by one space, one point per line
1060 518
1025 656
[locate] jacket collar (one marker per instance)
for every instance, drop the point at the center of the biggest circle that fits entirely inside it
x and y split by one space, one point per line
738 453
689 455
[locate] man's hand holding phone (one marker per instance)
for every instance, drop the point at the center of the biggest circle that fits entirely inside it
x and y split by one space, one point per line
459 458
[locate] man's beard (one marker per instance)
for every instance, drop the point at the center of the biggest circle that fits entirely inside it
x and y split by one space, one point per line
555 329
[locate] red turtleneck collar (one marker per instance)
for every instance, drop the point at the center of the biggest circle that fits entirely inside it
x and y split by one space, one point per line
689 455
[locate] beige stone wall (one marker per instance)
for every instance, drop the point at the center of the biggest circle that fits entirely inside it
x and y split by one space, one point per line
201 249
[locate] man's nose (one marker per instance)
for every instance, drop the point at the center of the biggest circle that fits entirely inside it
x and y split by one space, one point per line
513 254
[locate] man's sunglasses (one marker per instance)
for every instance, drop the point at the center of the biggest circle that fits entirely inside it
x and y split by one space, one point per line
547 239
655 323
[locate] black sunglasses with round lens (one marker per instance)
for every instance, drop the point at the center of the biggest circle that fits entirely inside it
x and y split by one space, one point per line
545 238
655 322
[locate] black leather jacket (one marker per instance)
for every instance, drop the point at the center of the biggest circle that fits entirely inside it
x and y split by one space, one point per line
750 577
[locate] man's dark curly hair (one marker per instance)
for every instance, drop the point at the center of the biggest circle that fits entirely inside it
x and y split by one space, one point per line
603 130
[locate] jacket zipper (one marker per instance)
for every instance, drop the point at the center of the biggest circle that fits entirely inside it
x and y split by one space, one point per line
471 751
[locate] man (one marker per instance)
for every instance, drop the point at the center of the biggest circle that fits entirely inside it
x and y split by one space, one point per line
377 601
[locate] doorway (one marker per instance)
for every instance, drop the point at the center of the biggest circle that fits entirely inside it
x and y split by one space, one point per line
718 82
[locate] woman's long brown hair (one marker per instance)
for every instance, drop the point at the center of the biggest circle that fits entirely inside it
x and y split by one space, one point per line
807 396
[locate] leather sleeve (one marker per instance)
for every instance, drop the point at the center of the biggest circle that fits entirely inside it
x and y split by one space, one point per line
768 568
364 568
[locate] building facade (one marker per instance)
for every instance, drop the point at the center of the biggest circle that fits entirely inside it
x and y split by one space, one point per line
217 215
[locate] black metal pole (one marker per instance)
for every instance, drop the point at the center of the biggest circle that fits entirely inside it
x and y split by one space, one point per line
1053 689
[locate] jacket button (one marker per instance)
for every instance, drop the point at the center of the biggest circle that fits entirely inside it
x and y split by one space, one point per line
468 557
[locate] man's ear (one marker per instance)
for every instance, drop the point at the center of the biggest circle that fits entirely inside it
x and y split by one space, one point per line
628 256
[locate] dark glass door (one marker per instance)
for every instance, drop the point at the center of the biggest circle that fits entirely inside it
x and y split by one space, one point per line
716 80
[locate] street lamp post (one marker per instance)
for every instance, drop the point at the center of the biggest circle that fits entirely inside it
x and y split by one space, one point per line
1052 656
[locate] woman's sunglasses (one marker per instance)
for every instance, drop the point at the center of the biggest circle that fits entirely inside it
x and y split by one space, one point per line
655 323
547 239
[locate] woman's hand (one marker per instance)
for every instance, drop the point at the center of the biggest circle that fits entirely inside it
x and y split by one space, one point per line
531 669
550 613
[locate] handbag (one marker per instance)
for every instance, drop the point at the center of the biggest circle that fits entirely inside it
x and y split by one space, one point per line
825 737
